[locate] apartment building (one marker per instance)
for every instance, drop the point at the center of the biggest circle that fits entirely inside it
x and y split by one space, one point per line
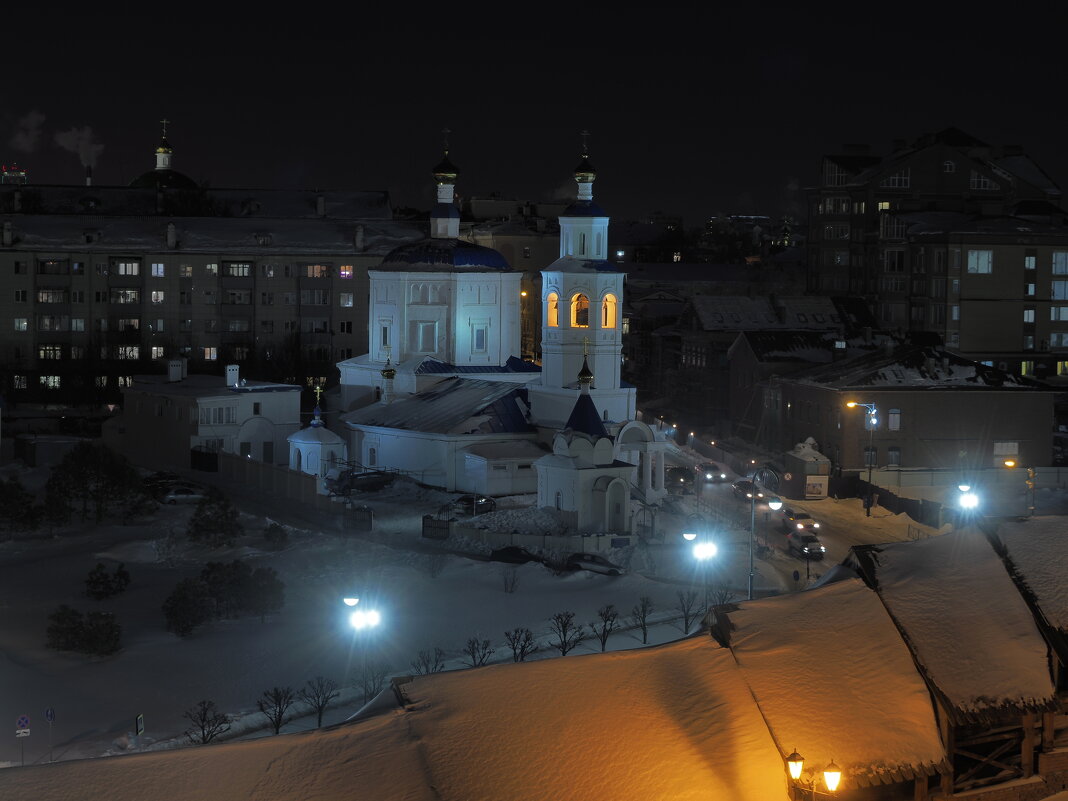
951 235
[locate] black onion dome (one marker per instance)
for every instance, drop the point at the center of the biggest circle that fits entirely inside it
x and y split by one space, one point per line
446 172
163 179
444 256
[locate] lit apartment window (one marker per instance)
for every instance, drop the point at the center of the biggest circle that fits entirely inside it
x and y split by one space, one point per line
345 299
211 269
893 420
126 267
236 269
1028 315
157 351
1029 342
1029 262
316 271
1060 262
18 382
676 256
1027 367
954 312
211 354
22 324
50 381
157 296
1059 290
1058 313
185 270
1062 368
50 352
1029 290
345 271
980 262
157 270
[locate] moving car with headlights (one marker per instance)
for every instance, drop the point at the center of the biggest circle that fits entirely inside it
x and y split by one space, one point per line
793 519
710 471
745 489
805 544
473 504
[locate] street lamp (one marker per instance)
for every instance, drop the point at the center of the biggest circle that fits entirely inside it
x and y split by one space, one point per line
832 775
774 504
360 619
703 551
1030 482
873 421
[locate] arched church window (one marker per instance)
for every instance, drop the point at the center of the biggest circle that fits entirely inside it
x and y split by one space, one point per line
372 457
420 293
609 311
582 244
557 500
552 313
580 311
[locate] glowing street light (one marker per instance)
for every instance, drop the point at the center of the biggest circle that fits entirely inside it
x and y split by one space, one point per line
832 775
873 423
362 619
1029 482
774 504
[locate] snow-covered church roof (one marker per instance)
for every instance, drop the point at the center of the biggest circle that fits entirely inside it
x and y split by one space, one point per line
444 256
452 406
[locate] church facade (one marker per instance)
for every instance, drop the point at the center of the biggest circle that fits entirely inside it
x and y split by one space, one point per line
442 394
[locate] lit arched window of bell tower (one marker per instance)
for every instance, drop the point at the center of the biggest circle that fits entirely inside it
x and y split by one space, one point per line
609 307
552 312
580 311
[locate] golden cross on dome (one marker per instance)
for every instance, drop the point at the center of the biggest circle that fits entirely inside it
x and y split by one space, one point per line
318 393
585 146
164 122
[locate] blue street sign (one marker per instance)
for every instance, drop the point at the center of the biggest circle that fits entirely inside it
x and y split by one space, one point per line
50 715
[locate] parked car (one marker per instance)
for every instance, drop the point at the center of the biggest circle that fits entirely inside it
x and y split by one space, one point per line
472 504
710 471
805 544
802 521
593 562
678 480
514 554
744 488
183 494
351 481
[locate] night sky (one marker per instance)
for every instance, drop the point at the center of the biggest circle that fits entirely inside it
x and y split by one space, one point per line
690 112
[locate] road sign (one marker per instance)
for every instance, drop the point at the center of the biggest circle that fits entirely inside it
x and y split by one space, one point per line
140 725
22 726
50 715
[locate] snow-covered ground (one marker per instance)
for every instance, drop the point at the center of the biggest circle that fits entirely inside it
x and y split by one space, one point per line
430 595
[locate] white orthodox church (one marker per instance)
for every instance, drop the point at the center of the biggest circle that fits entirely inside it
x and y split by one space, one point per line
443 397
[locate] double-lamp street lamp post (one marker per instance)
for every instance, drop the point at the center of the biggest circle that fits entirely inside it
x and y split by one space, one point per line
832 775
1030 482
873 421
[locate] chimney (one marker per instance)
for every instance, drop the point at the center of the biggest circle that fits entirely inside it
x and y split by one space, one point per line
233 375
174 370
358 239
88 175
320 206
172 236
8 234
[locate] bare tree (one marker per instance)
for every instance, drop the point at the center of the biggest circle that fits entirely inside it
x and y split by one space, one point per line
317 694
639 614
511 579
607 622
429 662
522 643
208 723
274 703
478 652
688 607
371 679
568 634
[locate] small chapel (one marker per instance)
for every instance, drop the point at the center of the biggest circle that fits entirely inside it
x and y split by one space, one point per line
443 396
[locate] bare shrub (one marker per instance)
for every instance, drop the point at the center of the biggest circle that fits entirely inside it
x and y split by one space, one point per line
207 723
607 622
317 694
522 643
687 606
478 652
639 615
566 632
429 662
274 703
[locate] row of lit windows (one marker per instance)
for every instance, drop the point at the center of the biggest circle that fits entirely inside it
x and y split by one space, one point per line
580 311
231 269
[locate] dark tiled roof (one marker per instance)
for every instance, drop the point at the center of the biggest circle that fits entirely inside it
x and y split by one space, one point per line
444 255
585 419
431 366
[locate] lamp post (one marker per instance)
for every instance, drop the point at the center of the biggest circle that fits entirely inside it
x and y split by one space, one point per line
832 775
1030 482
703 551
773 504
873 421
